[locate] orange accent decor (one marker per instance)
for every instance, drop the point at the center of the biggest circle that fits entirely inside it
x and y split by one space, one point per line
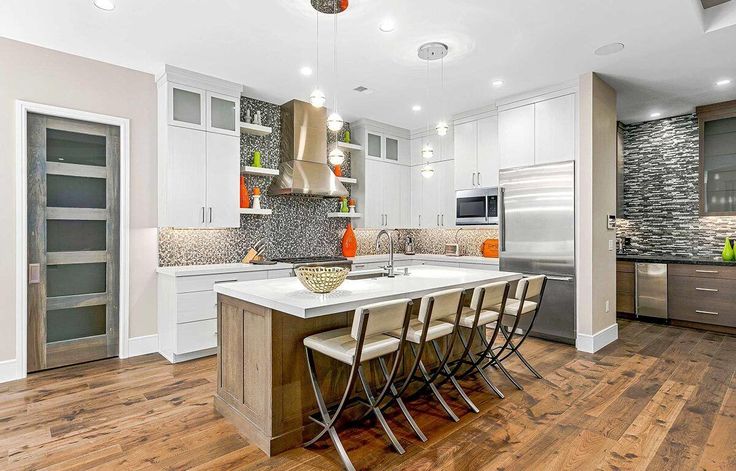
256 191
490 248
351 202
244 198
349 242
338 171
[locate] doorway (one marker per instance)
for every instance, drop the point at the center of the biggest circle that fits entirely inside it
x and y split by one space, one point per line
73 241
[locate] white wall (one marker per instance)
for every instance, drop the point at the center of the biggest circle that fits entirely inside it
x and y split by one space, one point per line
49 77
596 264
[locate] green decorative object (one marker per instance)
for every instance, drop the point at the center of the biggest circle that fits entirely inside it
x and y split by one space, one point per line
344 206
346 137
727 254
257 158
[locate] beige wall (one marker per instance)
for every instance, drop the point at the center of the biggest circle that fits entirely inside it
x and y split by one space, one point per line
49 77
596 199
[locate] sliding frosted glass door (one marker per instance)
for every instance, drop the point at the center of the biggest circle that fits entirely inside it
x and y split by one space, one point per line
73 246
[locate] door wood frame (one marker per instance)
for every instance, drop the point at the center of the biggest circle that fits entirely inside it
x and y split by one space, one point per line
21 215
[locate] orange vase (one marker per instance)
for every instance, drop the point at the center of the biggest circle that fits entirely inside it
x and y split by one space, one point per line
349 242
244 198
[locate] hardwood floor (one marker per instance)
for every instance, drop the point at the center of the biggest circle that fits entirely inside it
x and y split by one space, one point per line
659 398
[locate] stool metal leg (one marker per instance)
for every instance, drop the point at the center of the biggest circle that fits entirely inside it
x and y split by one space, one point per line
495 361
400 402
329 422
378 413
468 401
515 349
428 381
476 364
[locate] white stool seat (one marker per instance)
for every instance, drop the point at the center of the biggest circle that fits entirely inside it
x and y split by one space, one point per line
468 316
338 344
435 330
512 307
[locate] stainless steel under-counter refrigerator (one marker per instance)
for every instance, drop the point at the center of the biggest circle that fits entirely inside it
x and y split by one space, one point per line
537 236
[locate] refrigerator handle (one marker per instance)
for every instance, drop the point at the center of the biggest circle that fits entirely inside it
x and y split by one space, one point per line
559 278
502 218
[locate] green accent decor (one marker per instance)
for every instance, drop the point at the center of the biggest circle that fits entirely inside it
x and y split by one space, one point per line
346 137
727 254
344 206
257 159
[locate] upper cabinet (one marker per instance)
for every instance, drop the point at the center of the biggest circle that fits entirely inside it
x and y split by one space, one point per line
382 141
199 151
442 146
537 133
717 129
476 153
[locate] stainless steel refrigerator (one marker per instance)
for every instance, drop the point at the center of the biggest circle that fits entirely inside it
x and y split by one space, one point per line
537 236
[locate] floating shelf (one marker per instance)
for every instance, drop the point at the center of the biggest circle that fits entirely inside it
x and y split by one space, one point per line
258 212
349 146
347 180
247 170
254 129
345 215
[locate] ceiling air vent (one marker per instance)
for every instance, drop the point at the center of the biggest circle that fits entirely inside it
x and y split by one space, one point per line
712 3
362 89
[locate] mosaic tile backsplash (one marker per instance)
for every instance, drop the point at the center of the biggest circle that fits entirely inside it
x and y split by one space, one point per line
661 205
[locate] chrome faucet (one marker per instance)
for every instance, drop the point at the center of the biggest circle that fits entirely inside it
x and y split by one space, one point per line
390 267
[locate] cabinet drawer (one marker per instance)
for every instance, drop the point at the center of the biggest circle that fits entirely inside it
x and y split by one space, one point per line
195 336
703 271
625 283
703 289
196 306
705 311
624 267
187 284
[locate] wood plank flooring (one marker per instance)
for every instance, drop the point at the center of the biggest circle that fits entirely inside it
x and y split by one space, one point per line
659 398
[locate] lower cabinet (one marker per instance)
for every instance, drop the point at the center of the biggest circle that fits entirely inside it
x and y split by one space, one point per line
703 294
187 311
625 288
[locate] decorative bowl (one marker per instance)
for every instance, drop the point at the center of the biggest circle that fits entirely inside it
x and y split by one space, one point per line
321 279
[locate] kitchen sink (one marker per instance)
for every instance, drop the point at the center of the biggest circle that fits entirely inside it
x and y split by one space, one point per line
374 274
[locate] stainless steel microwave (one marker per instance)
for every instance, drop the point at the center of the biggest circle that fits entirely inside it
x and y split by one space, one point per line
478 206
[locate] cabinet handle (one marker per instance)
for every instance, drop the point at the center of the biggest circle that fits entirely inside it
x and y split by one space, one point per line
712 290
473 178
210 214
706 271
443 219
225 281
203 220
438 219
479 183
420 220
710 313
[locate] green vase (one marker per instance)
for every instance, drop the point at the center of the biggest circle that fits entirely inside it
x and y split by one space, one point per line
257 158
727 254
344 206
346 137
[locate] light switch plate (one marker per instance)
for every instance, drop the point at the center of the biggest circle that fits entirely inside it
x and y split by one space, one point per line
611 222
610 245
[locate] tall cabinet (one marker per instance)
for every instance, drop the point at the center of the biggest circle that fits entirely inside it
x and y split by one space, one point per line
476 153
198 150
433 198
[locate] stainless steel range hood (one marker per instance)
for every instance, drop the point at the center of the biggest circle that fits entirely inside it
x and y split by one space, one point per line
303 169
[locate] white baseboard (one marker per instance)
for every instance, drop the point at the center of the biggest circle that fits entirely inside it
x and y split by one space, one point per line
593 343
9 370
142 345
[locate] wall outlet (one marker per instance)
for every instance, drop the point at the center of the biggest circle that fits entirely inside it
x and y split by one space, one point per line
608 305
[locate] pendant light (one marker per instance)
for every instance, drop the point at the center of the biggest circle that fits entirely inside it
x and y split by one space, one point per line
427 171
442 126
317 98
336 155
334 121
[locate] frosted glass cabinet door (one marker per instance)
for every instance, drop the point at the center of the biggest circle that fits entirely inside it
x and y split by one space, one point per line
375 144
223 114
392 149
186 106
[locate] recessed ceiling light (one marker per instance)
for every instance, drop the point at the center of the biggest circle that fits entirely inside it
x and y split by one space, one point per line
416 108
497 83
656 114
107 5
609 49
723 83
387 25
306 71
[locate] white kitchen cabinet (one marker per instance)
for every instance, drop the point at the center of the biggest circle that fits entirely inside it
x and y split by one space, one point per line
437 197
516 137
198 150
385 146
417 194
385 196
223 201
554 130
443 147
476 154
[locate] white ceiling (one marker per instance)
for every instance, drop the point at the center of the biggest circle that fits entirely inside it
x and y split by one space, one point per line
669 64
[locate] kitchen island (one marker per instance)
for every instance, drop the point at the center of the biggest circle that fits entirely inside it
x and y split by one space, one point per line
262 381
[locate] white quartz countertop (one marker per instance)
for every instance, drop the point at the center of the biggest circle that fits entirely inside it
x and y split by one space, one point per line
288 295
424 256
193 270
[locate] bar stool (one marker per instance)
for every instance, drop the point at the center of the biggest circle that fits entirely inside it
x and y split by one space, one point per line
439 315
521 306
486 307
365 340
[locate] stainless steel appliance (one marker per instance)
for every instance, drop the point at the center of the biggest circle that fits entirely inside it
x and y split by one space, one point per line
651 290
409 246
478 206
537 236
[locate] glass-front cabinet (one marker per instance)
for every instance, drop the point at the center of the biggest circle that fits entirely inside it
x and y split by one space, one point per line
186 106
223 114
717 126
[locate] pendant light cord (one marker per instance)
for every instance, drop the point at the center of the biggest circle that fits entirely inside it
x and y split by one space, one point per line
317 61
334 58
